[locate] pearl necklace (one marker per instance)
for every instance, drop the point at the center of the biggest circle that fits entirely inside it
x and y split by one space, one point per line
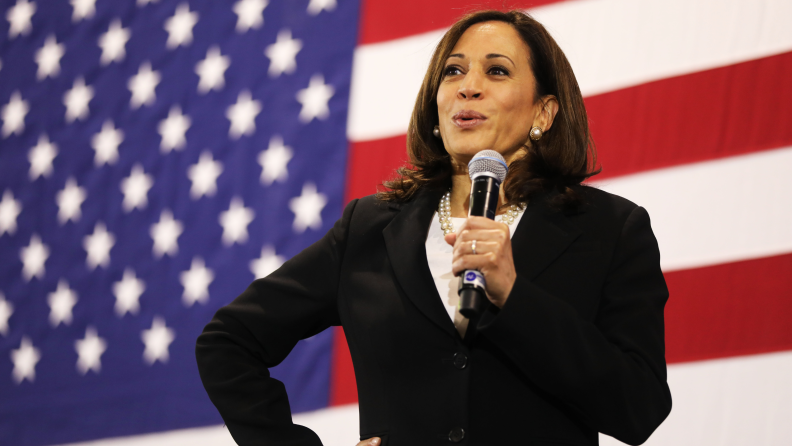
447 225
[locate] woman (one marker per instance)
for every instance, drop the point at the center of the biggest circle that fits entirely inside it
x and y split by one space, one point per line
572 342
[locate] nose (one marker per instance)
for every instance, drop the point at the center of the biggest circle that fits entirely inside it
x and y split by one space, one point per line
471 86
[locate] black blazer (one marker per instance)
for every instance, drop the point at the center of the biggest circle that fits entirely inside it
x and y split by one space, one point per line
577 349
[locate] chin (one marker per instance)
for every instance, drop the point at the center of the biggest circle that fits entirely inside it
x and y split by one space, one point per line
466 149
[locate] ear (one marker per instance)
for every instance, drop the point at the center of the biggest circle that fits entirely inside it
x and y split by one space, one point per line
547 113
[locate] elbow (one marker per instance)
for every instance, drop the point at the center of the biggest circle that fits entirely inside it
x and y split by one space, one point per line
643 422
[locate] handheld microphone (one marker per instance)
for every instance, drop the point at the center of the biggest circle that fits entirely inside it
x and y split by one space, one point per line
487 171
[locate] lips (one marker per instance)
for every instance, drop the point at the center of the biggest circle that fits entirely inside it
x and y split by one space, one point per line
468 118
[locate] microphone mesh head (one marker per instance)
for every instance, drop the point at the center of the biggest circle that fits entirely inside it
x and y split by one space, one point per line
488 161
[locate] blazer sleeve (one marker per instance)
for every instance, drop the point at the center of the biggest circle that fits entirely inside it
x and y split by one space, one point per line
258 329
611 371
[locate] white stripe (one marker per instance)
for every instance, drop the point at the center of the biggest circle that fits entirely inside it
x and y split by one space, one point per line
726 402
386 78
718 211
335 426
611 44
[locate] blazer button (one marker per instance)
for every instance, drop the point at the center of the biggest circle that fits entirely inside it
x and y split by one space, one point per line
456 435
460 360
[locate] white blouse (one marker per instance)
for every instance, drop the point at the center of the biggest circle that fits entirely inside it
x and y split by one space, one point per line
439 255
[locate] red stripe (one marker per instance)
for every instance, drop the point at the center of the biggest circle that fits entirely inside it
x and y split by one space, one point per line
372 162
343 389
722 112
733 309
716 113
381 21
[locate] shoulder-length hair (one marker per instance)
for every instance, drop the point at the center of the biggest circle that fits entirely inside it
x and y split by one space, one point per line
565 155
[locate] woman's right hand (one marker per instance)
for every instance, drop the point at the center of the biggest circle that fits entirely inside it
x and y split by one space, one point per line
373 441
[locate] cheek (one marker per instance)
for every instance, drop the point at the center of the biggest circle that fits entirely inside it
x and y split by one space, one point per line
517 112
444 100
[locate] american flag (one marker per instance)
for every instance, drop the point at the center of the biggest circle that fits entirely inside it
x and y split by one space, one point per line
156 156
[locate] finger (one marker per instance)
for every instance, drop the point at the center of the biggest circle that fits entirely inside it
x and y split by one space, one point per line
482 223
450 238
495 235
482 247
481 262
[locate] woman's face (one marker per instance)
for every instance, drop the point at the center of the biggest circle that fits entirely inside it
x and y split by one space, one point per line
486 97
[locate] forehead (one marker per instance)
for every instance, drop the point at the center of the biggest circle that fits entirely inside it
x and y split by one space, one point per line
492 37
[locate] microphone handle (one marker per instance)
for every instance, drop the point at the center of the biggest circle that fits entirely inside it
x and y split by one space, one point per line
483 203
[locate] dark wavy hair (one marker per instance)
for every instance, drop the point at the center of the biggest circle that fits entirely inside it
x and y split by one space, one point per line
565 155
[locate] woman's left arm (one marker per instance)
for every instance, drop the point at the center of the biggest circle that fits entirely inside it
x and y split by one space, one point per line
610 370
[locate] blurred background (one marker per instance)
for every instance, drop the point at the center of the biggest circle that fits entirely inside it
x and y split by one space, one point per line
156 156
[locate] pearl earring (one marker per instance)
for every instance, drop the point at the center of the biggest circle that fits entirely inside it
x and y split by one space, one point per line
536 133
436 131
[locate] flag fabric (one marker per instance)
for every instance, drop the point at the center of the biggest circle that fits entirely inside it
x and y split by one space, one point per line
156 156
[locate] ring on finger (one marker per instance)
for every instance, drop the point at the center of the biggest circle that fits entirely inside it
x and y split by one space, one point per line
473 247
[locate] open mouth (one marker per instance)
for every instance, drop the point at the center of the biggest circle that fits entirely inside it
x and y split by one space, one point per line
468 118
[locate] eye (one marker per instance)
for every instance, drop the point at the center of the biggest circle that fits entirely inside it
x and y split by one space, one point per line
498 71
451 70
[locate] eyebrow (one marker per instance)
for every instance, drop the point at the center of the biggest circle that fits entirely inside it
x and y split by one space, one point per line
495 56
489 56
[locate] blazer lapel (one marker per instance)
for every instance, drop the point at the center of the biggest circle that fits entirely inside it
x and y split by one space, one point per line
542 235
405 240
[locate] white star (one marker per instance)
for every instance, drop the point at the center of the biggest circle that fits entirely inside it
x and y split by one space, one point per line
33 258
61 302
172 130
25 359
314 99
106 143
145 2
9 211
283 53
113 42
14 115
307 208
142 86
180 26
41 157
70 200
317 6
203 175
211 70
83 9
250 14
127 292
98 246
48 58
6 310
165 234
89 351
243 115
274 160
196 282
135 188
267 263
19 18
76 100
235 222
157 340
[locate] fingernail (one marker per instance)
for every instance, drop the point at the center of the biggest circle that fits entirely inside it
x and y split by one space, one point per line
375 441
